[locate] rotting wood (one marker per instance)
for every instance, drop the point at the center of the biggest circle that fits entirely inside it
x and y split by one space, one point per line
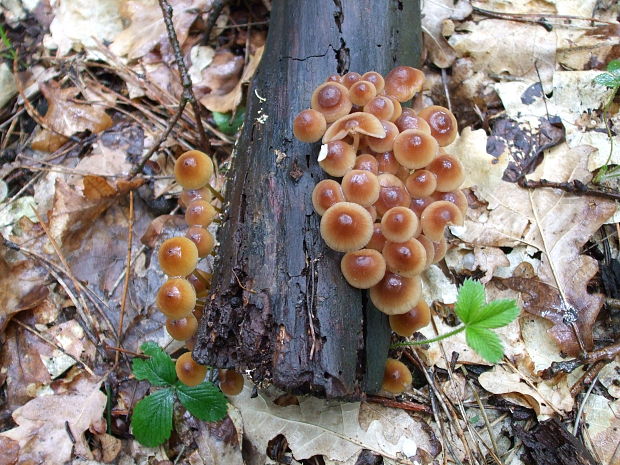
279 306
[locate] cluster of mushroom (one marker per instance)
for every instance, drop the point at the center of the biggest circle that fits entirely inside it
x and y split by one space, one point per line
181 297
399 188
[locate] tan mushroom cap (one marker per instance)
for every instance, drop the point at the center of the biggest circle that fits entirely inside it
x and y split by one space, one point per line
396 294
406 258
418 204
203 239
375 78
366 162
380 106
355 123
339 157
362 92
350 78
325 194
442 122
387 163
378 240
449 171
456 197
399 224
415 319
391 194
363 268
421 183
176 298
204 193
412 121
177 256
309 125
441 248
429 247
398 108
331 99
396 377
415 149
334 78
403 82
193 169
200 213
346 226
361 187
437 216
385 143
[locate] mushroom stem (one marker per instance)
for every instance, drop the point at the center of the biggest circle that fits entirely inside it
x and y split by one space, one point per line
356 141
216 194
428 341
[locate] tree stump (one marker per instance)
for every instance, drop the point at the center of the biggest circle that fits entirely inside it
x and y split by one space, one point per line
279 305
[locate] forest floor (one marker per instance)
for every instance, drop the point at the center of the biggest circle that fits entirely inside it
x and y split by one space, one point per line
87 194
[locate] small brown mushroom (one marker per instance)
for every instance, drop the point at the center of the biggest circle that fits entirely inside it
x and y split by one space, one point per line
366 162
441 248
409 121
325 194
336 158
442 122
385 143
421 183
449 171
399 224
193 169
437 216
415 149
331 99
202 238
418 204
377 241
407 258
415 319
363 268
396 294
309 125
403 82
456 197
398 108
396 377
429 247
176 298
380 106
351 78
354 125
361 187
346 226
387 163
375 78
200 213
362 92
392 194
178 256
204 193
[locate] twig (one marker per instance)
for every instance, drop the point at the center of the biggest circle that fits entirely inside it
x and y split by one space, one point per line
587 378
125 351
523 16
119 335
214 13
574 187
402 404
583 404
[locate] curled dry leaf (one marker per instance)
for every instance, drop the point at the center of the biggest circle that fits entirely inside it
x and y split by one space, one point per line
66 116
435 13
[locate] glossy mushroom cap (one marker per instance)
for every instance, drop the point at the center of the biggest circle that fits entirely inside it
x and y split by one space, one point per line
383 144
437 216
403 82
442 123
415 149
182 329
204 193
188 371
334 78
309 126
193 169
350 78
396 377
456 197
380 106
200 213
331 99
429 247
361 187
408 121
178 256
363 268
325 194
201 280
387 163
405 258
366 162
441 248
362 92
203 239
391 194
355 123
176 298
399 224
346 226
376 79
231 382
337 158
396 294
398 109
415 319
449 171
418 204
421 183
378 240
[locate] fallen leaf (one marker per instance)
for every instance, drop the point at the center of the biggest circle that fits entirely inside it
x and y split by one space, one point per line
434 13
43 422
7 85
609 376
65 116
10 451
602 419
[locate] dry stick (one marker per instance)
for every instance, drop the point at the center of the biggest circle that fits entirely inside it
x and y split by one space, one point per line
119 335
214 13
581 407
574 187
404 404
588 377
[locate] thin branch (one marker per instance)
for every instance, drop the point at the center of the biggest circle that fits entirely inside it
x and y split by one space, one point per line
214 13
574 187
402 404
119 335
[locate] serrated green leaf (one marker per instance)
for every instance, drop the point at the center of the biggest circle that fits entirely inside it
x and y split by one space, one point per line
469 300
227 125
151 422
205 401
613 65
159 370
485 343
607 80
496 314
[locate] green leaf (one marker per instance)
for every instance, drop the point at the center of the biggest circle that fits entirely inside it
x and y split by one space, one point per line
613 65
204 401
470 300
158 370
151 422
227 125
607 80
485 342
496 314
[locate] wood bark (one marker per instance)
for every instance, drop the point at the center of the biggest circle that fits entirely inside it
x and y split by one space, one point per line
279 306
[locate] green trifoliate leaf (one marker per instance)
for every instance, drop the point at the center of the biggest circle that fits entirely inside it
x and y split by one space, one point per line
613 65
496 314
470 300
151 422
158 370
608 80
485 342
205 401
228 124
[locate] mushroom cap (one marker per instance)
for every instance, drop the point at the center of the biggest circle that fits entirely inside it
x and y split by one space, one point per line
385 143
418 204
200 213
403 82
378 240
331 99
375 78
373 212
176 298
346 226
231 382
201 280
336 158
387 163
396 294
204 193
411 121
398 108
391 194
437 216
203 239
189 371
442 122
415 149
183 328
362 92
334 78
408 323
363 268
441 248
406 258
429 247
325 194
355 123
361 187
178 256
366 162
396 377
456 197
449 171
399 224
421 183
309 125
380 106
350 78
193 169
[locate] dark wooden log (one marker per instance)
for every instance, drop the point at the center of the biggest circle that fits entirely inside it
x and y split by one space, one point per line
279 305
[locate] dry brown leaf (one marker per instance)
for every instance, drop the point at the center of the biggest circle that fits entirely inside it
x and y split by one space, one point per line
434 14
42 425
10 451
602 418
66 116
